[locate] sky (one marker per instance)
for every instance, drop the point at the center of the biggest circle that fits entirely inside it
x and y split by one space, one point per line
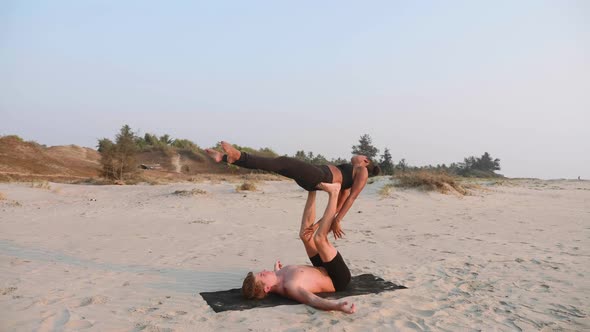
432 81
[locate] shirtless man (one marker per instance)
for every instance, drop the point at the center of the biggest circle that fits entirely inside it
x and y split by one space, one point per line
329 273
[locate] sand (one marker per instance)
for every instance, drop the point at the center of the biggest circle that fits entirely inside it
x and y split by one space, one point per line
509 257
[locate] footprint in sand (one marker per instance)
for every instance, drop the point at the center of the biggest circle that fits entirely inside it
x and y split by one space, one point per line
55 321
148 326
46 301
7 290
202 221
567 312
177 313
99 299
367 233
166 316
424 313
75 325
142 310
17 262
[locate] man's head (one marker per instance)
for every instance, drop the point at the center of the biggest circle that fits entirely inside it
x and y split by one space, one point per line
257 286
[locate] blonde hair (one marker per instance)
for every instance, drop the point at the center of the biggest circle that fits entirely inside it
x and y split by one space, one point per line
252 289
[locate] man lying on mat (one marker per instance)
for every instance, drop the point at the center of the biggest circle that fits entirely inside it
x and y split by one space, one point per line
329 273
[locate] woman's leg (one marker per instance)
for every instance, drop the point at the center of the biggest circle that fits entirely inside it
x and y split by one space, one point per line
306 175
233 154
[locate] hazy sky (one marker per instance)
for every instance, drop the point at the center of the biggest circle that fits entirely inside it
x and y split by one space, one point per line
434 81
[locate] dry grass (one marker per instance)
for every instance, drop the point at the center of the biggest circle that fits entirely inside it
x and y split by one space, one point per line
100 181
385 190
8 202
246 186
15 203
192 192
6 178
93 181
430 180
41 185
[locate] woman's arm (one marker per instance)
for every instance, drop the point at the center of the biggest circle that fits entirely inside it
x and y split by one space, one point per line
360 180
342 198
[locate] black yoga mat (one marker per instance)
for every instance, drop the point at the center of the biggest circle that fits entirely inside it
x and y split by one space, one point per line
232 299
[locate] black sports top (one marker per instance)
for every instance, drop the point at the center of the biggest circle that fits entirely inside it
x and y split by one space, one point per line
346 170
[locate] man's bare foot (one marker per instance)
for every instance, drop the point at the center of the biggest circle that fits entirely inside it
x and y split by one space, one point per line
233 154
216 155
329 187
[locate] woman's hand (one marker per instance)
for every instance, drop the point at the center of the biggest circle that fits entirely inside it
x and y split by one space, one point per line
337 230
278 266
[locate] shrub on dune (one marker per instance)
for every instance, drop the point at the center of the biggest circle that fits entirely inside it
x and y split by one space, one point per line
246 186
429 180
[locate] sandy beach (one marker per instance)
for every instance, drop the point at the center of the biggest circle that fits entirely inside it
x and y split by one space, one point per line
509 257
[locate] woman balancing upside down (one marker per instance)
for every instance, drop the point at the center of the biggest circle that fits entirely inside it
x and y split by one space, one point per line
351 177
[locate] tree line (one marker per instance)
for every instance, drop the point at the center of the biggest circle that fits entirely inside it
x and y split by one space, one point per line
484 166
118 157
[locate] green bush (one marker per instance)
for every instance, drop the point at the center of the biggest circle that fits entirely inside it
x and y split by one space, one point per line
118 159
15 137
185 144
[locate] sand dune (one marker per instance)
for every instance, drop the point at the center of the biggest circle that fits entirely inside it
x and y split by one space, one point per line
129 258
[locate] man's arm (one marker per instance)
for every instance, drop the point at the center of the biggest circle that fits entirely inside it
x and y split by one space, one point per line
306 297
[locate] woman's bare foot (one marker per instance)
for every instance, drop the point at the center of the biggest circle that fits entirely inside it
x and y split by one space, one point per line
216 155
329 187
233 154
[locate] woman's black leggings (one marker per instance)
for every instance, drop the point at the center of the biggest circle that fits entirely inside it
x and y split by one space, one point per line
306 175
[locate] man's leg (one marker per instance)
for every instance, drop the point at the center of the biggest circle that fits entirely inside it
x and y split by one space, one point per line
324 247
306 221
332 261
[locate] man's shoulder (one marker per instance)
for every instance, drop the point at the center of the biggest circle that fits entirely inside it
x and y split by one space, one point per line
294 286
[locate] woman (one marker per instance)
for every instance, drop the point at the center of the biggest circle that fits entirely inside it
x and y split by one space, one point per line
351 177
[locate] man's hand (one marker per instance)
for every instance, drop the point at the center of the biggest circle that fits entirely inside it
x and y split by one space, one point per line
309 231
337 230
347 307
278 266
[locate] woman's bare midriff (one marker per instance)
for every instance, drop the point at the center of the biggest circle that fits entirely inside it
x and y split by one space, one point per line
336 174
